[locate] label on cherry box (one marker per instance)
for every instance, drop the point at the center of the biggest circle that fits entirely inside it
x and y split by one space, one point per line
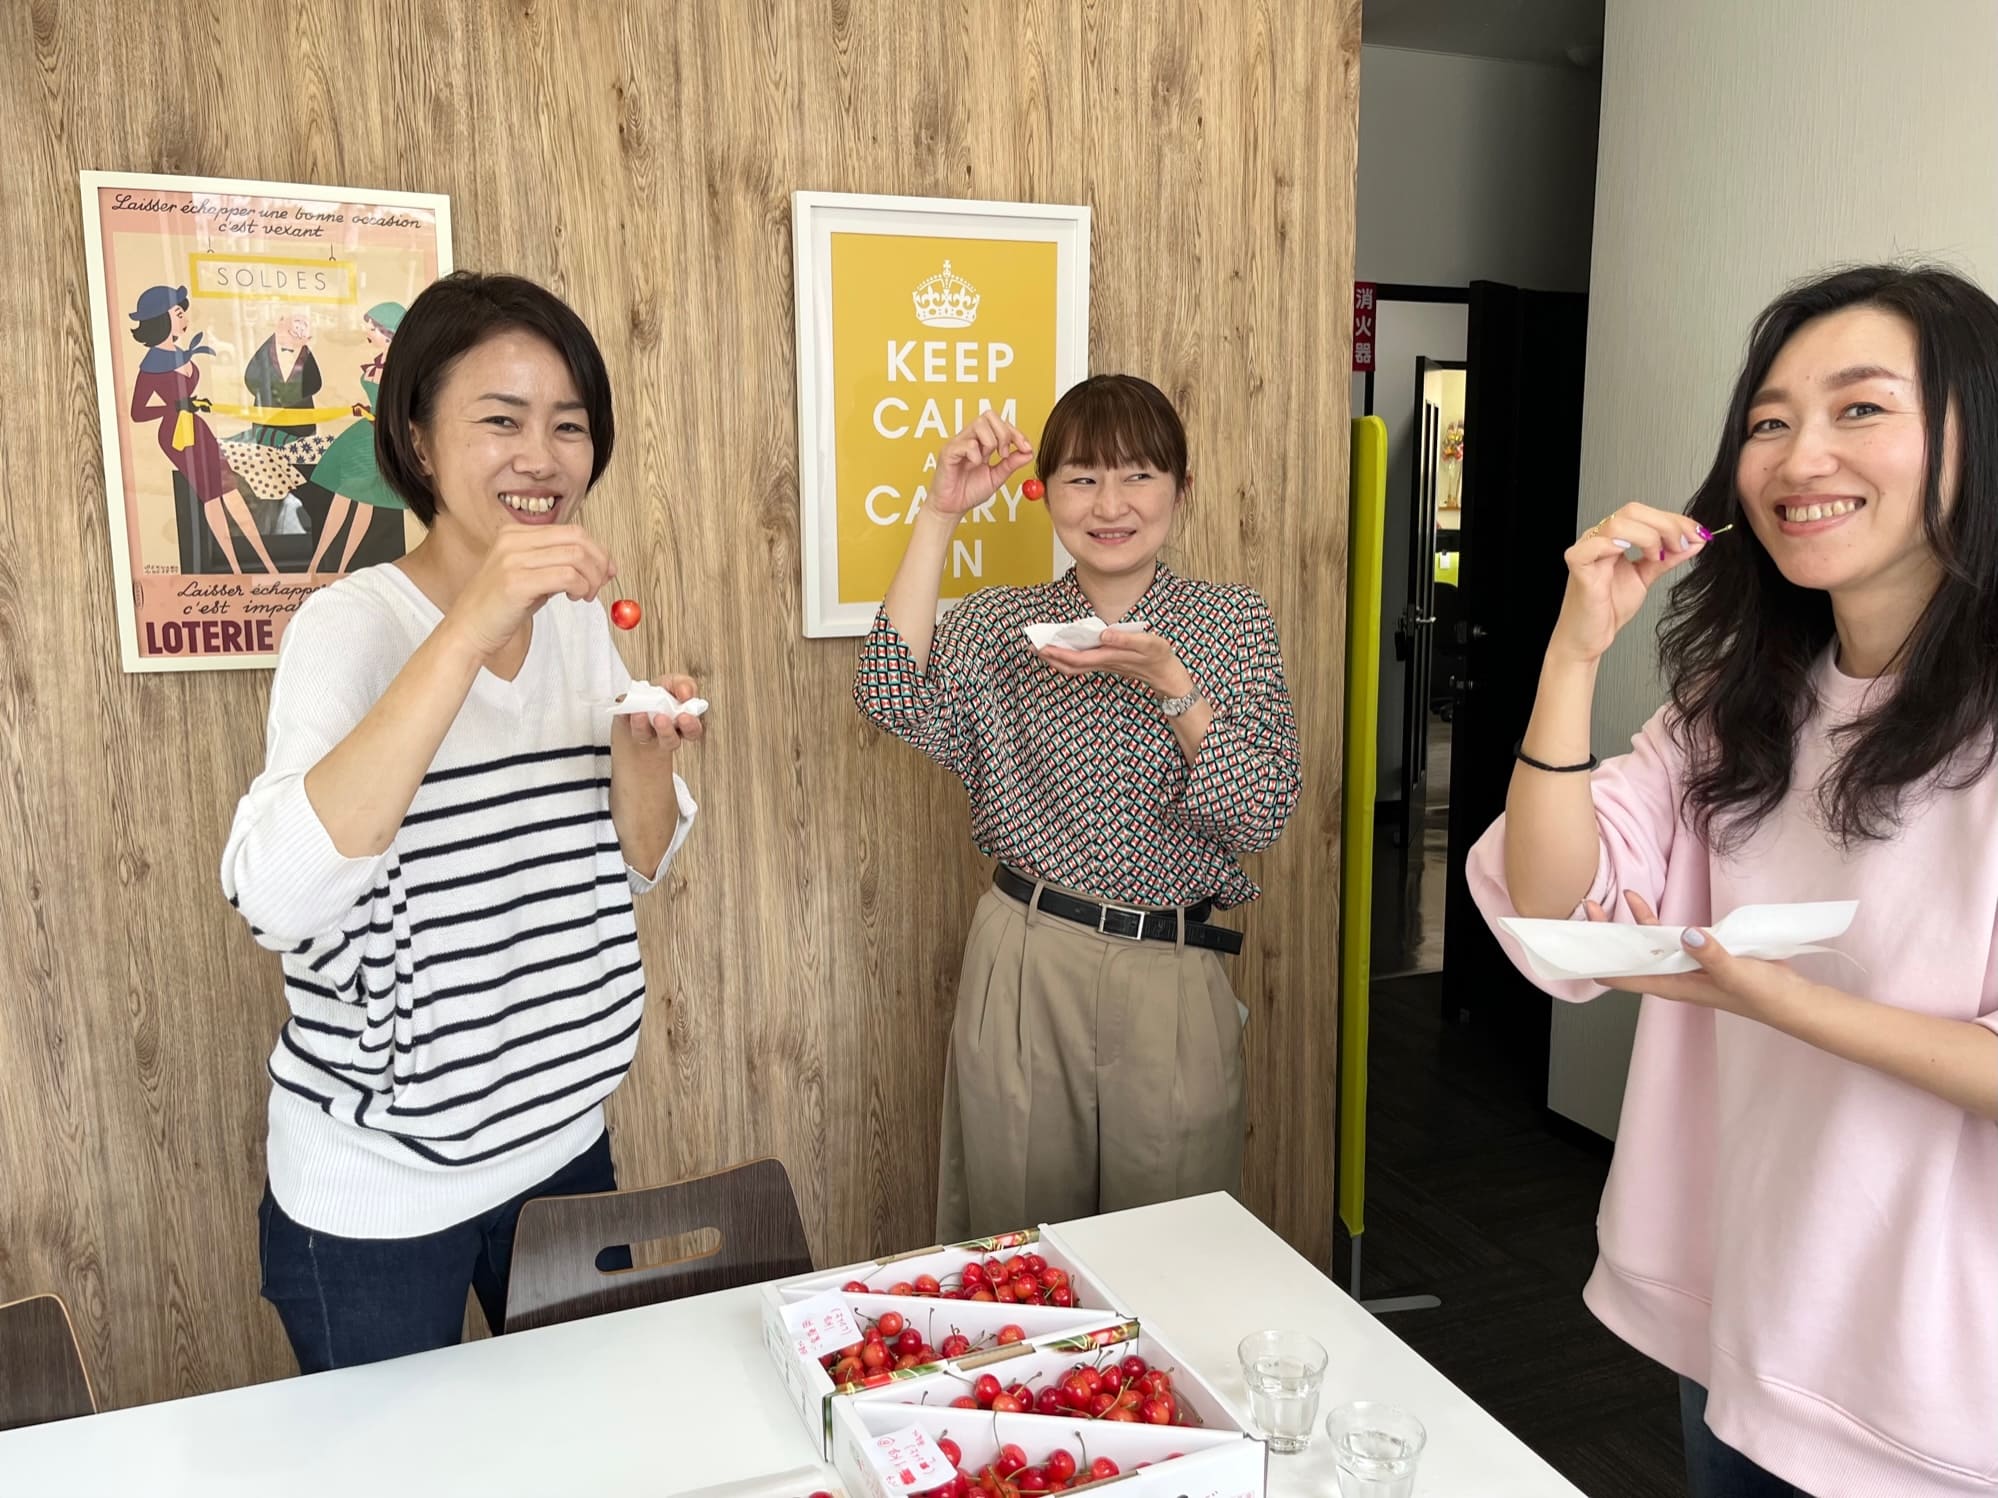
822 1324
907 1461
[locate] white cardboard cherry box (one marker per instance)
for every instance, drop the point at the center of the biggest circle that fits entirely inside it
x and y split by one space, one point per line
947 1266
809 1316
891 1451
1045 1364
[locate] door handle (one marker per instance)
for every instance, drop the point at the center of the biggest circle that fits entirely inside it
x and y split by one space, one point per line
1477 631
1424 619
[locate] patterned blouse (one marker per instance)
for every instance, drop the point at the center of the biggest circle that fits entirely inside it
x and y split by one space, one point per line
1079 780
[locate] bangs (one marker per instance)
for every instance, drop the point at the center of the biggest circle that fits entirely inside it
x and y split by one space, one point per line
1114 421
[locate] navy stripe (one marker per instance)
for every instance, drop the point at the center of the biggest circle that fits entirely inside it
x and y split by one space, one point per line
473 990
326 1064
582 1022
493 840
505 798
464 917
322 1028
418 891
532 933
418 1147
479 1094
532 757
498 1016
539 1100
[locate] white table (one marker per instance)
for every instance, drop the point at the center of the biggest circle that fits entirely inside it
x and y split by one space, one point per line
681 1396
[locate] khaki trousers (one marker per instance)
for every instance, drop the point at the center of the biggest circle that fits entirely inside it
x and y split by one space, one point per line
1087 1073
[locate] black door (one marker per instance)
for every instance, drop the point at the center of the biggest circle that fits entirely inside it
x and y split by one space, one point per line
1522 469
1415 631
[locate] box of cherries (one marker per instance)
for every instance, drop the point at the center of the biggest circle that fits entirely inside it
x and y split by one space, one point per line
871 1325
888 1450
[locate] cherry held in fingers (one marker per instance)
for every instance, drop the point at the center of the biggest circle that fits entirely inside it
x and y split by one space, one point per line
625 614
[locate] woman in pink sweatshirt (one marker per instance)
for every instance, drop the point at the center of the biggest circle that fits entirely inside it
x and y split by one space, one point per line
1802 1220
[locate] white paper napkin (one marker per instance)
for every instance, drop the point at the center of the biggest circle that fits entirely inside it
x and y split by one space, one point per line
1078 634
1559 951
648 697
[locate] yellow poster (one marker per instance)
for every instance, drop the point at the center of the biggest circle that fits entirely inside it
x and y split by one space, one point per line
914 316
927 333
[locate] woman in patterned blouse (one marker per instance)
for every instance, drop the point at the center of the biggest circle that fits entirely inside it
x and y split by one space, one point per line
1096 1054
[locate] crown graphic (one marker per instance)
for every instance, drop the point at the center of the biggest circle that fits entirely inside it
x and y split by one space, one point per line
946 301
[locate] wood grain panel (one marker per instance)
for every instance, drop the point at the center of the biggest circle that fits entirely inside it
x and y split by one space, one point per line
639 157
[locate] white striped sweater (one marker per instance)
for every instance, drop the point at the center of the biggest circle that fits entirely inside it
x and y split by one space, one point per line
462 1004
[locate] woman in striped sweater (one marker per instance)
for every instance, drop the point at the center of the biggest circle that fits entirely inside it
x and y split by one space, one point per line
445 844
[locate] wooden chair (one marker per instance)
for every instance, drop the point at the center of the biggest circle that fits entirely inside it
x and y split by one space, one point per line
42 1377
749 1210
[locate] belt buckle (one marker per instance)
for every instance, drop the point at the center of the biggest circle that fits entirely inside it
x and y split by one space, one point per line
1138 916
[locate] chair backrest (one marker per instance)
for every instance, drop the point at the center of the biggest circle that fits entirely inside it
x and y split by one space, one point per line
556 1244
41 1367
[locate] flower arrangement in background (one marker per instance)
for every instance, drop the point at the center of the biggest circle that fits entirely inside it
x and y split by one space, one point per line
1453 456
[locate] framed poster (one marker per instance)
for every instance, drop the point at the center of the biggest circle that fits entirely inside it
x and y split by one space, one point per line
240 330
915 314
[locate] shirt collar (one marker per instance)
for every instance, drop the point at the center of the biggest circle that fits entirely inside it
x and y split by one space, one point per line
1161 583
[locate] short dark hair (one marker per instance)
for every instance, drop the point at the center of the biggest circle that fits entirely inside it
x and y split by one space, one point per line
451 317
1111 420
154 330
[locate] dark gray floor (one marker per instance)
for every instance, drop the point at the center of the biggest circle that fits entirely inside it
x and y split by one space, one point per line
1471 1195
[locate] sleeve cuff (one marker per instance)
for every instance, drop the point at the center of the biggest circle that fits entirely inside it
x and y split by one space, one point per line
308 884
642 882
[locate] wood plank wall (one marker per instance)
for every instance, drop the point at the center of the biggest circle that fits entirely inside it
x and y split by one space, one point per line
639 157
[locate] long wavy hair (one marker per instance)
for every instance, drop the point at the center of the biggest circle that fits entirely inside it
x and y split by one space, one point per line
1739 640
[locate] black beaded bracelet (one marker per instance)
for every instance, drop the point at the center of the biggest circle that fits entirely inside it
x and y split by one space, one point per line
1519 753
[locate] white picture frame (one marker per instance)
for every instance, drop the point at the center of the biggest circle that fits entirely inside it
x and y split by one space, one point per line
815 218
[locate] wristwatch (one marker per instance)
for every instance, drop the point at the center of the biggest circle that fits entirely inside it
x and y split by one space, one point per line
1177 707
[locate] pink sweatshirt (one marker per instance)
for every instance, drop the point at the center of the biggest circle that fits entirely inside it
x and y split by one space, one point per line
1813 1240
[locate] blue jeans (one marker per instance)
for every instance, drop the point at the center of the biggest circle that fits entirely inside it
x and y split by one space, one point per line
345 1301
1715 1469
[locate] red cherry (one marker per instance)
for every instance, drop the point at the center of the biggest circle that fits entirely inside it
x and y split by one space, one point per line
1031 1480
926 1284
1011 1459
1157 1410
964 1402
952 1452
910 1341
973 1272
874 1355
1061 1466
956 1345
624 614
891 1324
1061 1295
987 1389
1101 1468
1033 488
1011 1333
1135 1367
1006 1404
854 1287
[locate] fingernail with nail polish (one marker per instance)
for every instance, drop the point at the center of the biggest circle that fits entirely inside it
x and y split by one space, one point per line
1705 534
1693 936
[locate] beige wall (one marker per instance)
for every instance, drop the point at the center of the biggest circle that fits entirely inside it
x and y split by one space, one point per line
640 157
1744 146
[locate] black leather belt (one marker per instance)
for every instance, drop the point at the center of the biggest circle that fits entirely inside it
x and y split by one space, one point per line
1123 920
